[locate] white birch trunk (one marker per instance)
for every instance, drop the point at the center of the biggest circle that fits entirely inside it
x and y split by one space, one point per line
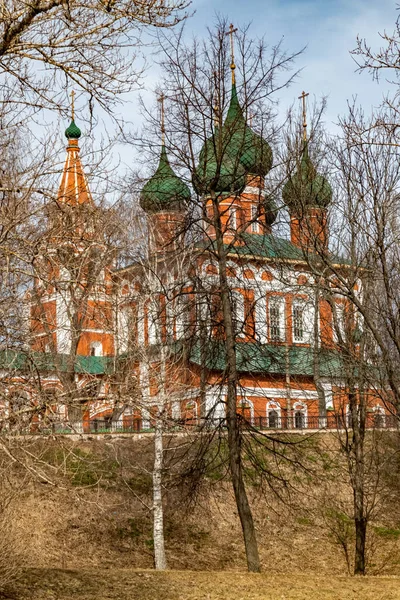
158 513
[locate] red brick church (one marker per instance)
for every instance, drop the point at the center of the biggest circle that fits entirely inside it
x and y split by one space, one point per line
113 345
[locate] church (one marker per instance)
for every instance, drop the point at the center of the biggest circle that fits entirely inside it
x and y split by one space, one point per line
111 348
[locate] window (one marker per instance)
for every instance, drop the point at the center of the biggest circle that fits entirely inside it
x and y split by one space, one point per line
254 216
339 323
233 217
300 415
276 320
299 420
152 323
298 322
379 417
273 415
238 312
96 349
273 419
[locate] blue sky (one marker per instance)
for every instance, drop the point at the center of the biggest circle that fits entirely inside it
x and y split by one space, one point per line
329 30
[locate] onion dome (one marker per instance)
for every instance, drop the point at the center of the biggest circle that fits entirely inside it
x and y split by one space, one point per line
232 153
254 152
73 132
270 210
217 170
307 188
165 191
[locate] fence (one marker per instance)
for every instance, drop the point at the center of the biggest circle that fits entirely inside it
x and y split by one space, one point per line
272 422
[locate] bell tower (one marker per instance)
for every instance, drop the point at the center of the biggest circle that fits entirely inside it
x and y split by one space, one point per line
71 310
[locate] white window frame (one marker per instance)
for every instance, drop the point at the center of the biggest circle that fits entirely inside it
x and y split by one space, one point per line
233 217
254 219
273 405
302 408
340 314
97 347
280 303
124 326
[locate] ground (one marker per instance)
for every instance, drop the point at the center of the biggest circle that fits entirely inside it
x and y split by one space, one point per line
128 584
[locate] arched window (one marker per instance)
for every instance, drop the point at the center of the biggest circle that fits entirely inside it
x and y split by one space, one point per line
273 419
379 417
245 409
96 349
274 415
254 218
299 420
300 415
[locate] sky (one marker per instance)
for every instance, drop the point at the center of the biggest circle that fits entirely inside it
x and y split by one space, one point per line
327 28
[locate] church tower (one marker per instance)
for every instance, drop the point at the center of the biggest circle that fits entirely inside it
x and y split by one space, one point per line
71 311
165 198
307 194
232 167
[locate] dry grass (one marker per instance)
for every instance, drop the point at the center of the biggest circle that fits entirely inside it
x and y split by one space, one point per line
124 584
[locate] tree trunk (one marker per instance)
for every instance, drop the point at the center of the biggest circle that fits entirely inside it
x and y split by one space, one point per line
242 503
234 436
160 561
361 537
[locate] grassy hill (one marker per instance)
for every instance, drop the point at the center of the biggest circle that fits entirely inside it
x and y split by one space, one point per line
120 584
82 529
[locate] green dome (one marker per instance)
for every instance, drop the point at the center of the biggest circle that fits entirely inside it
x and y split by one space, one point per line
73 132
165 190
236 149
306 187
254 152
217 170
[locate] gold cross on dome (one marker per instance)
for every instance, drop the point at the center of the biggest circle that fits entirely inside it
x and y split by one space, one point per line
161 101
303 98
231 31
73 105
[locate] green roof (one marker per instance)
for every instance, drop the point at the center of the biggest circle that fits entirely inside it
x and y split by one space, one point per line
266 246
73 132
164 190
270 359
40 361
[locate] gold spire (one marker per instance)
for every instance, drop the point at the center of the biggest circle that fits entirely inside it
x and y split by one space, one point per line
161 101
73 105
303 98
216 103
231 31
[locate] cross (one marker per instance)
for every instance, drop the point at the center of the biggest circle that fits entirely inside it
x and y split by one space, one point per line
303 98
161 101
73 105
231 31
